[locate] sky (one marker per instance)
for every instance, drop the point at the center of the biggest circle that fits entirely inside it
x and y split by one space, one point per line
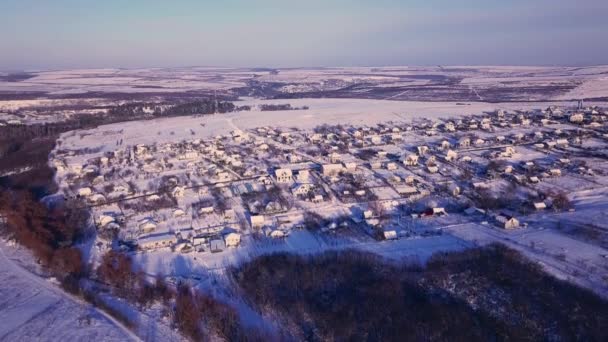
60 34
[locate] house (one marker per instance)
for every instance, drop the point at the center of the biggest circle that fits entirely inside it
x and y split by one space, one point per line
486 124
422 150
152 198
232 239
508 152
479 142
217 245
84 192
302 189
199 240
390 235
350 166
147 226
391 166
454 189
179 213
283 175
303 176
206 209
562 142
464 142
257 221
276 234
157 241
540 205
404 190
411 160
507 222
439 212
335 158
318 199
555 172
451 155
178 192
189 155
576 118
449 127
430 212
331 169
104 220
97 198
273 207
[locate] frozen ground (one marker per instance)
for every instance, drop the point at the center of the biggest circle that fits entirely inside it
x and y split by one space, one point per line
34 309
564 257
322 111
484 83
193 265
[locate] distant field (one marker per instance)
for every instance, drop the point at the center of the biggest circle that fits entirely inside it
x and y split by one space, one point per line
480 83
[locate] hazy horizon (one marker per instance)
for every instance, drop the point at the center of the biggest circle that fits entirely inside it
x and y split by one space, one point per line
69 34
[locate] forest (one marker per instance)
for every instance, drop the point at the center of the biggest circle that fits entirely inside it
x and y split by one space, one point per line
487 293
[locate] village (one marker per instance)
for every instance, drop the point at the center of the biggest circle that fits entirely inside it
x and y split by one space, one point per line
371 183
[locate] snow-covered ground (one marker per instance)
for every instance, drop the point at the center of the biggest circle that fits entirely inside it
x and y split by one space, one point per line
562 256
34 309
321 111
587 81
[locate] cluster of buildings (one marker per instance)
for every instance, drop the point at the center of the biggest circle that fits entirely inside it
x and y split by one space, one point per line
212 194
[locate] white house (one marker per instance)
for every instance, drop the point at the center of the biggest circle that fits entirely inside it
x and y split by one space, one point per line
178 192
157 241
464 142
147 226
411 160
104 220
217 245
232 239
576 118
283 175
555 172
350 166
507 222
257 221
331 169
302 189
391 166
454 189
303 176
451 155
85 192
422 150
390 235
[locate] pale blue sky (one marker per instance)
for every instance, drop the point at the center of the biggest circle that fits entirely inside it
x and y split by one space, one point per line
136 33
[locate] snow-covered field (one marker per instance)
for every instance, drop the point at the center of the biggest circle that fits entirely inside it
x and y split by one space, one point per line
585 81
322 111
34 309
